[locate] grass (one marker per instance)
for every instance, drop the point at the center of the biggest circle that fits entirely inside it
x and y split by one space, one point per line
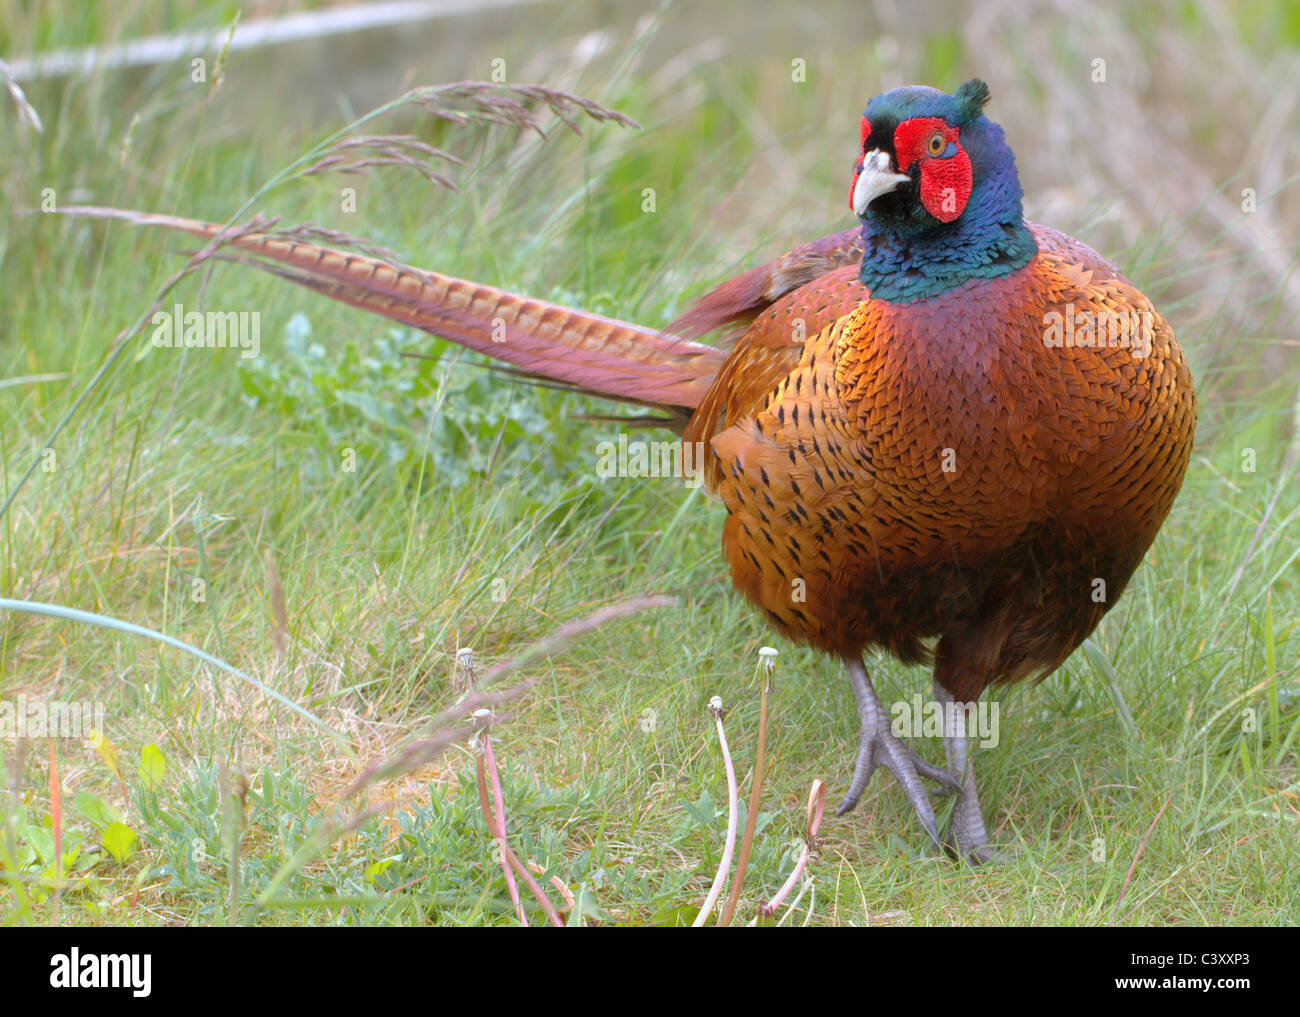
210 499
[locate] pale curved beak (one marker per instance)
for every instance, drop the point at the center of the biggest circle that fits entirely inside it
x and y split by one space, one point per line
877 178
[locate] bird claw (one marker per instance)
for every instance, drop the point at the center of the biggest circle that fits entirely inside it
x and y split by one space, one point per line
979 854
967 838
879 746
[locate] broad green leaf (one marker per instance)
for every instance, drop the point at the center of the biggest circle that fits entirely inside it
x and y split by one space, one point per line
41 840
119 841
107 751
375 870
99 812
152 765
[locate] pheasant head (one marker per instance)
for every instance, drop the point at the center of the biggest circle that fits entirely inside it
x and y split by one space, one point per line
936 189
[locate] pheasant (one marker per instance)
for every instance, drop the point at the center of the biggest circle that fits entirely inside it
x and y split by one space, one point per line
947 433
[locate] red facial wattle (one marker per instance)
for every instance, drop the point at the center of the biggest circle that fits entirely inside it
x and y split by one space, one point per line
946 176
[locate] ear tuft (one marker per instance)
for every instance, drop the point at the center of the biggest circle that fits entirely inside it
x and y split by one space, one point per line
971 99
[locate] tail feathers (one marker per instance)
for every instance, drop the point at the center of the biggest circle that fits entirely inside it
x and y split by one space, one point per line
598 355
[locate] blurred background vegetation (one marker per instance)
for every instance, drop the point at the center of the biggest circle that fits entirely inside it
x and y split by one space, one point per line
1195 113
1162 134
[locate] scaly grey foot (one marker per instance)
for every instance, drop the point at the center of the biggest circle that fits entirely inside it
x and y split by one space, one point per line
879 746
967 836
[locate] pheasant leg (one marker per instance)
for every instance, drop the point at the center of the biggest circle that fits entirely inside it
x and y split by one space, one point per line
966 834
879 746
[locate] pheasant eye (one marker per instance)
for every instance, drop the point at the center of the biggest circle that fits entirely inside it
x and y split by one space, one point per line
937 143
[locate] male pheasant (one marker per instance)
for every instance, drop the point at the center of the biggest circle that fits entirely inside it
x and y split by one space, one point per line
947 434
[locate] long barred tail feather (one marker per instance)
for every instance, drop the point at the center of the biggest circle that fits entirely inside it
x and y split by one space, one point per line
589 352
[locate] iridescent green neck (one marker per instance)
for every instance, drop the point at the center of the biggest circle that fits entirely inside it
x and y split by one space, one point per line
907 255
